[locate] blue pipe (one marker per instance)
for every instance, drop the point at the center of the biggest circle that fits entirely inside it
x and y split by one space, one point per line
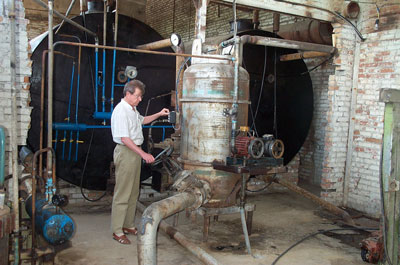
104 80
76 146
69 107
70 145
96 79
113 82
2 155
84 127
102 115
77 99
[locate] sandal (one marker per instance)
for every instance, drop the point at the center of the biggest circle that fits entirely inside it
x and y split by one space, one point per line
121 239
130 231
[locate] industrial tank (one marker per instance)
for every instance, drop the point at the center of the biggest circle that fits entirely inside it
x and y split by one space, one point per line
90 158
206 126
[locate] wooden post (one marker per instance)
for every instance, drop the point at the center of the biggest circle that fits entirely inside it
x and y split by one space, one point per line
390 171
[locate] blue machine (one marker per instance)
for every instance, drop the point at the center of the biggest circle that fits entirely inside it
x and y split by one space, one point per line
51 222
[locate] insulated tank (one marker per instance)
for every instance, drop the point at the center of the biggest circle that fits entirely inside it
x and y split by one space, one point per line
90 162
207 94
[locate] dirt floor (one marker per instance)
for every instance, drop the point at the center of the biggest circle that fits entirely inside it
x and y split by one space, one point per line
281 219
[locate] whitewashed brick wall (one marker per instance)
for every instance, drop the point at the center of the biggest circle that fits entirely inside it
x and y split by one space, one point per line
23 70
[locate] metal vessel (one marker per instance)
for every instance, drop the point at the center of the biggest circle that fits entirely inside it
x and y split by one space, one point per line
206 97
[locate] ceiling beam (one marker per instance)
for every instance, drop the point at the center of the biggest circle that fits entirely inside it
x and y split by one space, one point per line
284 7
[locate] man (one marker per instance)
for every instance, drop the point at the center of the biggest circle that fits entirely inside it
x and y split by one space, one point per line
126 128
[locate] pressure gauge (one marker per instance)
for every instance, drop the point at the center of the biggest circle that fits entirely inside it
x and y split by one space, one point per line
131 72
175 39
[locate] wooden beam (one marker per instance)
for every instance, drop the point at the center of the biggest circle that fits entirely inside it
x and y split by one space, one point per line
294 8
302 55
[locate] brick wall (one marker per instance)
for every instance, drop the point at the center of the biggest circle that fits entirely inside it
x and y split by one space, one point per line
379 68
23 72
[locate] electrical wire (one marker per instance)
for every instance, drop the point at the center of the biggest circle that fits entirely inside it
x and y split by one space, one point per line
83 174
263 188
261 90
321 232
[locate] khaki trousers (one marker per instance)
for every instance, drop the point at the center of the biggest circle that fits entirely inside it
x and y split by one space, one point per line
126 191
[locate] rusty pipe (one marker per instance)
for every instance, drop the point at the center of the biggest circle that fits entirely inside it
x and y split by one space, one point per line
151 218
87 45
308 31
155 45
67 19
327 205
200 253
42 100
302 55
275 42
34 175
66 14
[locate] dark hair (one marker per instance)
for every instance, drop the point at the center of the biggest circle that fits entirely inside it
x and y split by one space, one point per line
132 85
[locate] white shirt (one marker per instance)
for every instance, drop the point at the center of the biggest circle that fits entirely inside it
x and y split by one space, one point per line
126 121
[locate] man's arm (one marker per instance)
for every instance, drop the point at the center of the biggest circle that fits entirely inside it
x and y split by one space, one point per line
131 145
148 119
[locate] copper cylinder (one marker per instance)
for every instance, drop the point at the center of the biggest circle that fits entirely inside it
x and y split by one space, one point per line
308 31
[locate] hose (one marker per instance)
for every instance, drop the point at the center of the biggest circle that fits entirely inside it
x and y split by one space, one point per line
317 233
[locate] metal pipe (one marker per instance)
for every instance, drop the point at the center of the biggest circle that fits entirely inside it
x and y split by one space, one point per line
235 106
275 42
352 122
13 132
67 19
327 205
302 55
114 54
2 157
103 98
200 253
216 57
155 45
152 216
50 71
77 102
66 14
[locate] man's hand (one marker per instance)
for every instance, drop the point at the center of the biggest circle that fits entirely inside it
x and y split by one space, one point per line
164 112
148 158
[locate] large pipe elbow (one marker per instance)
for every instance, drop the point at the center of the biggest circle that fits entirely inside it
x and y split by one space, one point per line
151 218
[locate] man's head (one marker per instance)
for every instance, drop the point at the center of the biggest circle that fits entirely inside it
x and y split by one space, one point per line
133 92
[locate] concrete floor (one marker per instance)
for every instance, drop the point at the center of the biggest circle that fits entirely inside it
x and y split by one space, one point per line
281 219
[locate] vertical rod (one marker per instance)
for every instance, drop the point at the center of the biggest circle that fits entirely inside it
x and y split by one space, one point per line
96 79
69 107
104 54
50 84
55 141
77 102
70 145
14 136
66 14
353 106
114 54
42 107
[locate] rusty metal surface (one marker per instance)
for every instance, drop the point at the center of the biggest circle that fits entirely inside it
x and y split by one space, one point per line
207 92
222 184
205 130
308 31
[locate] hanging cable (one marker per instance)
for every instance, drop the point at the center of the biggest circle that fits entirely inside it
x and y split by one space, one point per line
317 233
83 174
261 90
